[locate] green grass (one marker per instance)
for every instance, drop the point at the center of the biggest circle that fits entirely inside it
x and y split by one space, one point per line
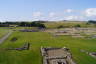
3 32
68 24
38 39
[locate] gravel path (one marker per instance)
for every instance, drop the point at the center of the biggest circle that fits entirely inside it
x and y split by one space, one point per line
5 37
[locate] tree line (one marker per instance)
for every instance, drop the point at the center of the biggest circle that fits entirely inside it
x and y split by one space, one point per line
23 24
92 21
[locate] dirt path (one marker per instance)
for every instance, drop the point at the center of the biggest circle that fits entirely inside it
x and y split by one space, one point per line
5 37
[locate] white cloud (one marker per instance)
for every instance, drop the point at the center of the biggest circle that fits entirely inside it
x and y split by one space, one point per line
55 16
90 12
71 17
68 10
52 14
37 14
74 18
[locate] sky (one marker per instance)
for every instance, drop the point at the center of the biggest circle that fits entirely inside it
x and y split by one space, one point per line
28 10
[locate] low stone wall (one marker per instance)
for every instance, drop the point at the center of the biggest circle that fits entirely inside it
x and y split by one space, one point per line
66 59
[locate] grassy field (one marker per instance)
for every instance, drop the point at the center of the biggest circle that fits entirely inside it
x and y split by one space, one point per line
68 24
38 39
3 32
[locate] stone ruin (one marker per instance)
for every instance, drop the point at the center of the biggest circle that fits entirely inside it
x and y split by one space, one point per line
29 30
94 36
25 47
56 56
93 54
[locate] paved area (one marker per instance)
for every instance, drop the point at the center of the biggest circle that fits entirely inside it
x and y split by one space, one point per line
56 52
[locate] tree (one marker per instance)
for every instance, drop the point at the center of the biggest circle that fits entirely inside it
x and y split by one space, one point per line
24 24
92 21
60 26
37 24
78 25
33 24
42 26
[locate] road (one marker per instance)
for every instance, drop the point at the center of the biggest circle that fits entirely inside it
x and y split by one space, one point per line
5 37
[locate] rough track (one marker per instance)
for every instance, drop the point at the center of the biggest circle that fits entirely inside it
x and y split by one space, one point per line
5 37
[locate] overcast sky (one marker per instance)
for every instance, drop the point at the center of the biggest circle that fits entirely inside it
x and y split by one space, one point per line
47 10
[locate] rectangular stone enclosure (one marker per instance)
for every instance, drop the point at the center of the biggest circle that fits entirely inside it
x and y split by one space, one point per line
56 56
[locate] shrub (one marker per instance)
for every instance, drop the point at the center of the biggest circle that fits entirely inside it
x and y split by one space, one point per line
77 25
14 39
60 26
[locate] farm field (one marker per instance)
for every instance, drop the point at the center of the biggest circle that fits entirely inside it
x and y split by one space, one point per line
38 39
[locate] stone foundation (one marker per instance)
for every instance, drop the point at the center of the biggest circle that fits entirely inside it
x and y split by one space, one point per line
56 56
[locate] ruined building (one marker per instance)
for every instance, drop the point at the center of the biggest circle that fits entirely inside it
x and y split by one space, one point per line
56 56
